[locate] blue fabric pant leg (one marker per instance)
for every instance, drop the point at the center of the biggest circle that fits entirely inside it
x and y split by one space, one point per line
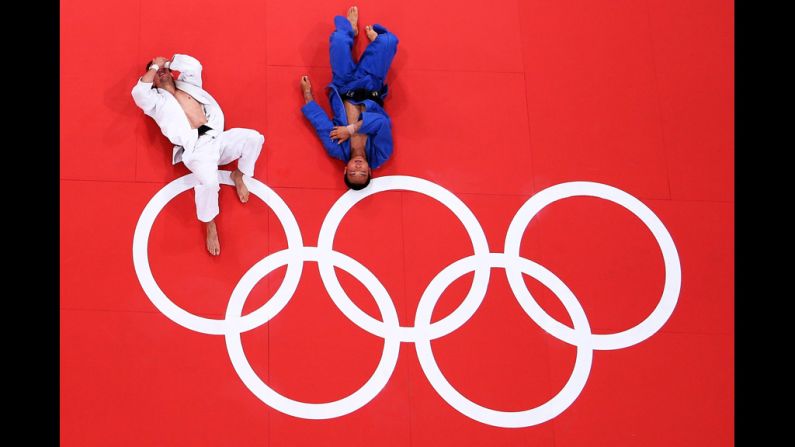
340 45
377 57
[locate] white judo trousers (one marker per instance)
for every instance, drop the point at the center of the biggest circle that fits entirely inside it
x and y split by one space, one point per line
239 144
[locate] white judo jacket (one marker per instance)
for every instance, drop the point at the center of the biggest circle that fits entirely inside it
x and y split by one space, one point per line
164 108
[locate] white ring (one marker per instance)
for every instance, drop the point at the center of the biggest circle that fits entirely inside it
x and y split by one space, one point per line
400 182
234 345
508 419
147 280
673 273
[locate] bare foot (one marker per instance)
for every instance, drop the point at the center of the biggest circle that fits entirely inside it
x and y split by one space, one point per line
242 190
371 34
213 246
353 17
306 88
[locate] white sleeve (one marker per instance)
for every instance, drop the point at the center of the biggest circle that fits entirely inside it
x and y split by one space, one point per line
189 68
146 97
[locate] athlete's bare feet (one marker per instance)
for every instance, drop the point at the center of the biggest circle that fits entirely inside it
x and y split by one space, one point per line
353 17
213 246
371 34
242 190
306 88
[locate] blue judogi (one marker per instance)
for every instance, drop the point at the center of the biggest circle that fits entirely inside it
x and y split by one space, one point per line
368 74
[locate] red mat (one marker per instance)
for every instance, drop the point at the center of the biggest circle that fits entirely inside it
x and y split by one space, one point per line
492 103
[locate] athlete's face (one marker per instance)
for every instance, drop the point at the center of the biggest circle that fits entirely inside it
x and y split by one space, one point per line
357 170
163 77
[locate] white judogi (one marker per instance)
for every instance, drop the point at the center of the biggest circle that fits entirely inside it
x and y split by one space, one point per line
202 155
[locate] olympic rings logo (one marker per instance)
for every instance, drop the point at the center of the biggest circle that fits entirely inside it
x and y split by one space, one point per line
423 331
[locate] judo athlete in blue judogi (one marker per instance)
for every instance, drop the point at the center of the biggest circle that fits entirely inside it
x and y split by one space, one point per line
360 134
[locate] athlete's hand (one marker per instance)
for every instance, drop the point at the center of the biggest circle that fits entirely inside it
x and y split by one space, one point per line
340 134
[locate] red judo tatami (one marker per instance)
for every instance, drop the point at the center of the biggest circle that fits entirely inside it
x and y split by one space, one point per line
545 260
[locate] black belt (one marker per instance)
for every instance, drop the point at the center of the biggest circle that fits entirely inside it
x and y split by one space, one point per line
361 94
203 129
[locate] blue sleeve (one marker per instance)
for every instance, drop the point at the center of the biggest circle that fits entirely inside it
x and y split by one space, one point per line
379 132
323 126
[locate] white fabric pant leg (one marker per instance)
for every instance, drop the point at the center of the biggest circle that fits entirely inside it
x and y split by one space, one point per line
243 145
203 163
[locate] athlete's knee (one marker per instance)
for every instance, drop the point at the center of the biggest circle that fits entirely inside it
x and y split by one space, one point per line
246 136
389 40
255 137
382 31
343 25
210 182
206 176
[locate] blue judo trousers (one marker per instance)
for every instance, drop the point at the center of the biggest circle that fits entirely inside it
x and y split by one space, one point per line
369 74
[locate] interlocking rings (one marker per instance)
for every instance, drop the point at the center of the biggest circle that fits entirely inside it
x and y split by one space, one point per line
176 313
423 331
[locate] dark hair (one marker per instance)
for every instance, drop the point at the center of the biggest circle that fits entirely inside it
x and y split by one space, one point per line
353 186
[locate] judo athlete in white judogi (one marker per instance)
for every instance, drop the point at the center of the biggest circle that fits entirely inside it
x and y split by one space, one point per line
193 121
